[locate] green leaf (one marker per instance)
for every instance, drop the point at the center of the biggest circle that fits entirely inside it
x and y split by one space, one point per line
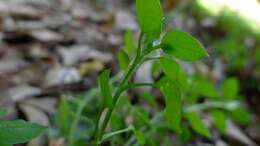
150 15
140 137
170 68
173 110
123 59
64 117
219 120
186 134
105 88
241 115
197 124
129 43
19 131
183 46
230 88
205 88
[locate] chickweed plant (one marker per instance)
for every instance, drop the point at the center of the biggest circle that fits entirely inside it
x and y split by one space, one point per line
173 45
182 95
181 92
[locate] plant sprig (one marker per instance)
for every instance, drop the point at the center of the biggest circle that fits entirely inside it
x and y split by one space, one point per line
176 44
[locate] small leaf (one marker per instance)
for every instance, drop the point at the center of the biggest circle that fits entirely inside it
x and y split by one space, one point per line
197 124
205 88
150 15
219 120
170 67
19 131
140 137
173 110
64 117
241 115
183 46
123 59
129 43
230 88
105 88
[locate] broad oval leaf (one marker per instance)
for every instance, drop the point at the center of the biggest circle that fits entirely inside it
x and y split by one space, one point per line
197 124
103 80
230 88
205 88
19 131
173 110
170 68
183 46
123 59
150 15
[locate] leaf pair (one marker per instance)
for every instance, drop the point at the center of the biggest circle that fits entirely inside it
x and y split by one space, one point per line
177 43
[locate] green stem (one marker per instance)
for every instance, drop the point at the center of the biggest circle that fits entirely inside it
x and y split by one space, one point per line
135 85
130 128
118 92
212 105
